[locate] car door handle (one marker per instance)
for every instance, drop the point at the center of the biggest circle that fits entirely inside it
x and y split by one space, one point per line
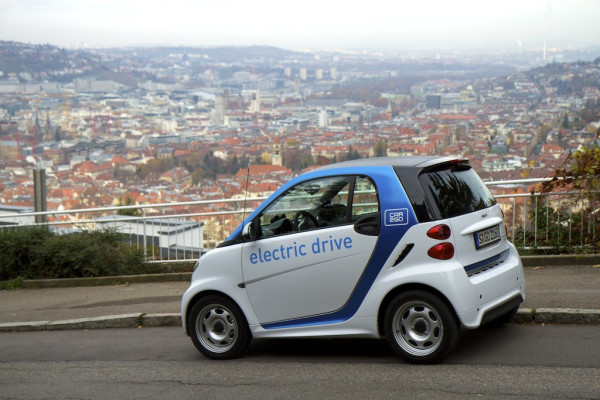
368 225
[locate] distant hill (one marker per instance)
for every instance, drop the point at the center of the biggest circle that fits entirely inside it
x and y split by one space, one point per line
569 78
227 54
63 65
46 60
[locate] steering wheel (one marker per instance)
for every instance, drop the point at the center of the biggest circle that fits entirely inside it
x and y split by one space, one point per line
305 220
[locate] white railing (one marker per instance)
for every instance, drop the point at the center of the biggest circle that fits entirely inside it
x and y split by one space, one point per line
548 221
534 221
171 237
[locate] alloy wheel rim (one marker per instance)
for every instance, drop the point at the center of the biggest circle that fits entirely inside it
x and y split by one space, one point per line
418 328
217 328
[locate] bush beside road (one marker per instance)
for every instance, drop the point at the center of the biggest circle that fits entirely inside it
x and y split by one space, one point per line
35 252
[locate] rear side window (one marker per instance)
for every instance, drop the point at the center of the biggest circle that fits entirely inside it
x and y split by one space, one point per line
364 200
456 191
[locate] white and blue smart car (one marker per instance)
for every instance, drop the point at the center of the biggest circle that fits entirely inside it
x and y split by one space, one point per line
411 249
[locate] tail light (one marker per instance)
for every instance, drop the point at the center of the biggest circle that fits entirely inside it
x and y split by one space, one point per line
440 232
441 251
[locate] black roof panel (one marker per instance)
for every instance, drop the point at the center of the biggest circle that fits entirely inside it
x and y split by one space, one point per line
400 161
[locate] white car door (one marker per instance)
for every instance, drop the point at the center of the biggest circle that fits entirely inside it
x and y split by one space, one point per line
307 265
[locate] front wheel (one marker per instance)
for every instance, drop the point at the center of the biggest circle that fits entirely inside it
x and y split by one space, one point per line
218 328
420 327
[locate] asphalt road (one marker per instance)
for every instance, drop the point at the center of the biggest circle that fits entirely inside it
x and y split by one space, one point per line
532 361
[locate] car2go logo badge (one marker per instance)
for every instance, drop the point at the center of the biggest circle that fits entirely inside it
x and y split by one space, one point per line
398 216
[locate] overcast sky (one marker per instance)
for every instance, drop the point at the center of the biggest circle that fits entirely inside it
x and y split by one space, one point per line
305 24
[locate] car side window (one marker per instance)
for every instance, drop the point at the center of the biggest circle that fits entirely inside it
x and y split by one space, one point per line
309 205
364 200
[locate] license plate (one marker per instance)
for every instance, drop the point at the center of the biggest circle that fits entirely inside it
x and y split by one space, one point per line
487 236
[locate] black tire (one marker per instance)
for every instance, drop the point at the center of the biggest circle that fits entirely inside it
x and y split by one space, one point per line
420 327
218 328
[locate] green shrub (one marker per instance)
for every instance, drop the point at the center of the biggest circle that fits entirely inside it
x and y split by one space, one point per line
36 252
18 247
13 284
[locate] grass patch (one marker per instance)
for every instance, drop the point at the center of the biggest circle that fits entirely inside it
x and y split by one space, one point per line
12 284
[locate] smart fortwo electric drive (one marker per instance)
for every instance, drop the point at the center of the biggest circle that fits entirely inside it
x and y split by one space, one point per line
410 249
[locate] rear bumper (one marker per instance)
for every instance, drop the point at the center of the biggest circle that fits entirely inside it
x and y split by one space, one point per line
499 290
501 309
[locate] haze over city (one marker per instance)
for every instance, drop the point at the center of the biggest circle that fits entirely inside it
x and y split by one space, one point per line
150 103
511 25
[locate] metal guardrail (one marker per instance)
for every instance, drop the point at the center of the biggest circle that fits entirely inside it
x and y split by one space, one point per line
163 238
552 222
534 222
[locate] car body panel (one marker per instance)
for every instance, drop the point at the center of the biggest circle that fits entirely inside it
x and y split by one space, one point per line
314 273
339 290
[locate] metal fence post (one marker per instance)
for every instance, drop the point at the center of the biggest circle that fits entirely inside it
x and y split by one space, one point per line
144 239
524 221
535 225
514 212
39 194
547 217
558 224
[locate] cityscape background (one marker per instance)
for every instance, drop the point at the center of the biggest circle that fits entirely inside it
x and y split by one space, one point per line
116 116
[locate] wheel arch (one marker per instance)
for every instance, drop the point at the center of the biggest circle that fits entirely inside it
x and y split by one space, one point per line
404 288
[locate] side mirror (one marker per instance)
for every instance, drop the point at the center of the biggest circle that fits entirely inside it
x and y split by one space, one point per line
251 230
247 231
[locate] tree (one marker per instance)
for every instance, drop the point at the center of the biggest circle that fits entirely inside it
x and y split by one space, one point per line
197 176
580 174
128 201
352 154
235 165
297 158
156 166
380 149
565 122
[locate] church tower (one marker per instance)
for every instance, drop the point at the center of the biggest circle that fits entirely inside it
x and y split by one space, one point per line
38 134
48 133
276 158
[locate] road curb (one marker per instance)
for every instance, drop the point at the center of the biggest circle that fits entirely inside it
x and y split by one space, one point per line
153 320
565 259
567 316
135 320
24 326
523 316
108 321
106 280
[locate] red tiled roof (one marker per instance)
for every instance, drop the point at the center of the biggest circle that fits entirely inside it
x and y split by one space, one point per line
263 170
119 160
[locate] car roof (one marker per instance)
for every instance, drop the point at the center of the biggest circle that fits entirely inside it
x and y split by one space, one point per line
400 161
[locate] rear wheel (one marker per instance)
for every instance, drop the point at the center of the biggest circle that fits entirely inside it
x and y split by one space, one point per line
218 328
420 327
